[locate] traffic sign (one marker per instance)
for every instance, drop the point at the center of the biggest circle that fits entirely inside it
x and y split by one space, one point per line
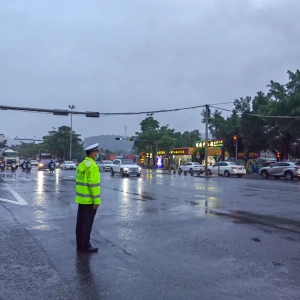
197 156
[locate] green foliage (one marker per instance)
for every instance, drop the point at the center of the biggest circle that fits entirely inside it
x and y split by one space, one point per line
27 150
270 131
57 142
165 138
3 144
202 155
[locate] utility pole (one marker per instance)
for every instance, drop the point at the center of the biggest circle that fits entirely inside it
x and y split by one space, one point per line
125 131
71 107
206 136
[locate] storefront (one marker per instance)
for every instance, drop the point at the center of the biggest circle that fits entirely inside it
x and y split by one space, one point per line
177 156
214 150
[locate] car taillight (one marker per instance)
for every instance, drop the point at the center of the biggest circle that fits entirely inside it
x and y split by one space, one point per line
297 168
234 168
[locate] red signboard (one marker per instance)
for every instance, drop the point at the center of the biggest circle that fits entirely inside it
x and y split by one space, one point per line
111 157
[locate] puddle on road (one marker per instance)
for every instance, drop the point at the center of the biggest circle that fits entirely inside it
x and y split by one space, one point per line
144 195
8 177
266 220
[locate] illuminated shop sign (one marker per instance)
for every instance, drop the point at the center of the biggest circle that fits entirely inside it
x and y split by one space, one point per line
175 151
210 143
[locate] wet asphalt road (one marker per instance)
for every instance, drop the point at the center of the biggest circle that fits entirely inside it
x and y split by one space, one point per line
159 236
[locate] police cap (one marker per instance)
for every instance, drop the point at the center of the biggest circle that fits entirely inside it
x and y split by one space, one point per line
92 148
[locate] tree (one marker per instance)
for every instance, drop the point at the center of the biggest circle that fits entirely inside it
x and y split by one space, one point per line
58 143
153 135
266 122
149 135
3 144
188 138
27 150
167 140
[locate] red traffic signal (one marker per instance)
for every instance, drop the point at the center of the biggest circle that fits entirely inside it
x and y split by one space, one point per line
234 137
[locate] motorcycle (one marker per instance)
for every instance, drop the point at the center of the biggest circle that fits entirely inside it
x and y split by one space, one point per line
13 167
28 167
2 166
23 166
51 168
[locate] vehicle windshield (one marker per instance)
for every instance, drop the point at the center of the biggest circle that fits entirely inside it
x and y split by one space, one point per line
107 162
196 163
11 154
233 163
127 162
69 162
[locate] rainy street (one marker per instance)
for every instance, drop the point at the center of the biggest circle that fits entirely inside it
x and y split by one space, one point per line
160 236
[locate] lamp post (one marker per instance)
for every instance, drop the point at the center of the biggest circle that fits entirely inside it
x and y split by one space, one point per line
71 134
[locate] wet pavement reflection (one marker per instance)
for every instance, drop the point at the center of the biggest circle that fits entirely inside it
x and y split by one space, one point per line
160 236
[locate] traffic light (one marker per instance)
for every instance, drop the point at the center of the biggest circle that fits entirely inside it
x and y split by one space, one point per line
278 155
234 140
130 139
119 139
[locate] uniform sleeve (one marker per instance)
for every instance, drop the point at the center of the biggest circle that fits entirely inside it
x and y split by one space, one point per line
94 183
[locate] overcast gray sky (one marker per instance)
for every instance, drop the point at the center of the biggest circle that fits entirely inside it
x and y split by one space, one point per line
135 55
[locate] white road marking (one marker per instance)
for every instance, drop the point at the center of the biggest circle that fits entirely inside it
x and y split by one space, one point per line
20 200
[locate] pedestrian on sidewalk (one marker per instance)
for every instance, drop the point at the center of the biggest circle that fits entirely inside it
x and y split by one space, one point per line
87 197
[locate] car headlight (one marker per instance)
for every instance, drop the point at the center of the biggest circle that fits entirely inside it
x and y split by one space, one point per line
140 169
41 165
126 169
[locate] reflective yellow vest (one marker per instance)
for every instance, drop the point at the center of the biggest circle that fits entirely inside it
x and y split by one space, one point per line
88 182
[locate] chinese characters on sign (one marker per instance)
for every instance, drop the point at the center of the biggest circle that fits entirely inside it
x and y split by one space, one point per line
210 143
175 151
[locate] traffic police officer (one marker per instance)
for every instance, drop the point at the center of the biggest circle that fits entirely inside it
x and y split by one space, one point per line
87 197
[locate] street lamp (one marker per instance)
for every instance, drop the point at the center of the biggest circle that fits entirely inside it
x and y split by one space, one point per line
71 134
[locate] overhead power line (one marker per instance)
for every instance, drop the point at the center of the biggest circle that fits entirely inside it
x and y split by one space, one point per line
62 112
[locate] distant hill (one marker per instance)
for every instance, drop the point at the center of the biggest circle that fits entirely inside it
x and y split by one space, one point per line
11 142
109 142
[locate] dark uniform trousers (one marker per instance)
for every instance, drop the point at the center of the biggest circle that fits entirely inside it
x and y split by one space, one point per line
85 220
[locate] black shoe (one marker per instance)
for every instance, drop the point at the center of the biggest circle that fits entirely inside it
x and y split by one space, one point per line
91 249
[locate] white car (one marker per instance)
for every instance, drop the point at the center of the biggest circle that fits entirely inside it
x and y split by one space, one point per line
34 162
192 166
125 167
105 165
225 168
68 165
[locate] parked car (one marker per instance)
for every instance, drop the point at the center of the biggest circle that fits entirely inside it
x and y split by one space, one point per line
105 165
286 169
68 165
225 168
34 162
125 167
192 167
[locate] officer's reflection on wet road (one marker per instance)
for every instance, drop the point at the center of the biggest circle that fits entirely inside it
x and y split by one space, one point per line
160 236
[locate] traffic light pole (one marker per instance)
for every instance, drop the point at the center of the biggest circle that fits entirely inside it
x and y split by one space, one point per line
206 137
